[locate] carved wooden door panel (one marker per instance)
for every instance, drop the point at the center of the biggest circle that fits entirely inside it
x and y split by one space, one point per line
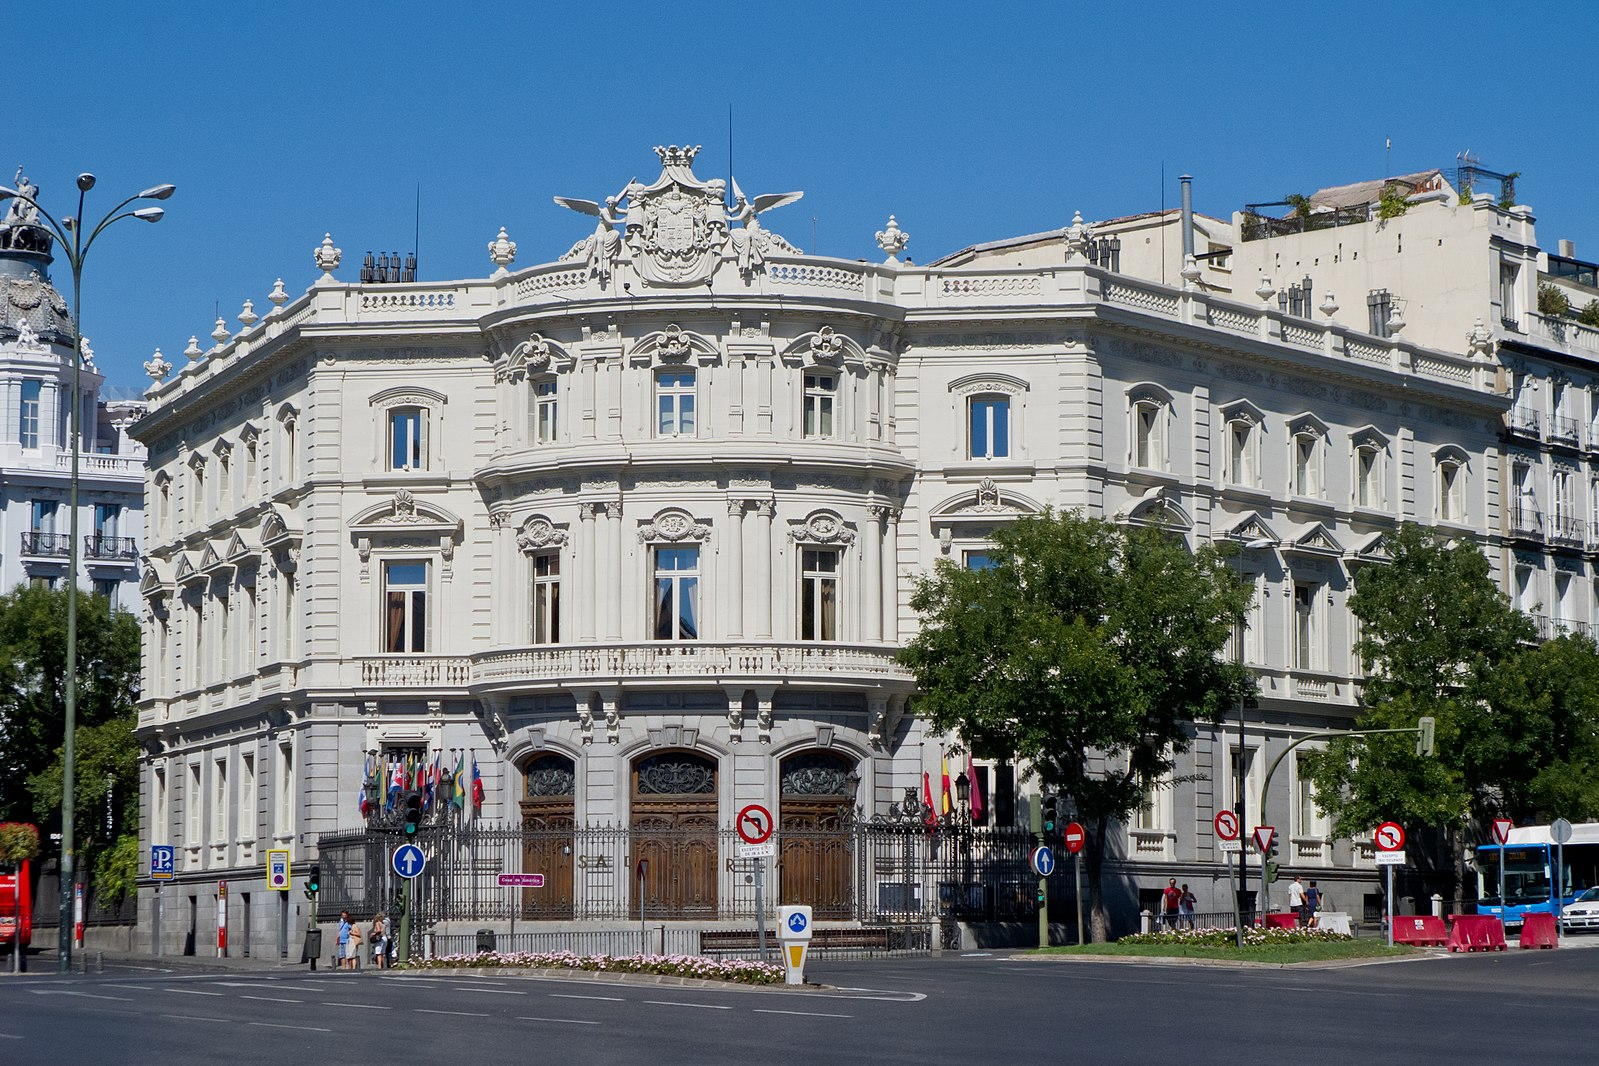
815 859
674 833
548 823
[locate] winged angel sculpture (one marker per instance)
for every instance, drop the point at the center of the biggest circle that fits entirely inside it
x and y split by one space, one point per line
752 242
599 250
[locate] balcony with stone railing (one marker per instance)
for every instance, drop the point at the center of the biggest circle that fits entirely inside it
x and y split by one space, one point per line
687 662
1564 335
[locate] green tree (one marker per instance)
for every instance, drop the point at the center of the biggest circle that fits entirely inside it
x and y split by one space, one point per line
33 712
1439 639
1089 651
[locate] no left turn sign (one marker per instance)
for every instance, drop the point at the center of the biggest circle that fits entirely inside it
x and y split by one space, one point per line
1390 836
755 824
1226 825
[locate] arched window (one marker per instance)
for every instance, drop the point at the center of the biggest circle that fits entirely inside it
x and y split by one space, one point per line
1149 412
1450 481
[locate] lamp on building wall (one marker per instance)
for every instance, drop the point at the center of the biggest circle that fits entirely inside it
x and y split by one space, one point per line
69 236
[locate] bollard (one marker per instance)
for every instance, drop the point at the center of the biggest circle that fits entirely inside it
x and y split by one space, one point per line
1146 922
1437 905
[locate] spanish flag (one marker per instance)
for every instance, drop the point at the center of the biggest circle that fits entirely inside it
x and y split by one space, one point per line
944 799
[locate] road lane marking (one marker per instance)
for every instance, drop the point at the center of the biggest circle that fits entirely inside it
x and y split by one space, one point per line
197 1018
359 1006
130 988
301 988
193 992
557 1021
802 1013
566 995
672 1003
457 1013
10 1036
494 991
278 1025
273 999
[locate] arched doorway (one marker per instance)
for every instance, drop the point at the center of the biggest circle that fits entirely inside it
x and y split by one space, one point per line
549 814
814 864
674 831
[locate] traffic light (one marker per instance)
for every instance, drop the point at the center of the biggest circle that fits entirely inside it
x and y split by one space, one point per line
413 813
1271 862
313 881
1424 736
1051 812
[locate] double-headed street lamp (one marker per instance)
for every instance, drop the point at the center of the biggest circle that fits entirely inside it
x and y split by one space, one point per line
70 238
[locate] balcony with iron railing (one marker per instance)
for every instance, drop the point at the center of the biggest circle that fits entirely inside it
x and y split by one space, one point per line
1567 531
1563 429
1550 627
1526 522
1524 423
35 542
103 547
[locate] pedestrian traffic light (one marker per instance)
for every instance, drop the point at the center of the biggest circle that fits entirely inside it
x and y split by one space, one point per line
413 813
1424 736
1051 805
313 880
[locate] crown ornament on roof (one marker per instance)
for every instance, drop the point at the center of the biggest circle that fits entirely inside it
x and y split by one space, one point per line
673 156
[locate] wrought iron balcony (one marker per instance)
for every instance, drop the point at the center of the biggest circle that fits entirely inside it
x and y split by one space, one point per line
97 547
1526 522
1564 529
1562 428
37 543
1524 423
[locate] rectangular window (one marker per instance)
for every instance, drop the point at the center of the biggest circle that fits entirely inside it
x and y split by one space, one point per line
285 805
28 424
1452 492
819 594
160 811
979 560
107 587
544 412
1307 653
819 392
405 591
547 598
990 427
224 483
674 403
246 805
1240 452
248 630
193 803
291 619
1308 823
1307 463
44 516
677 593
408 439
1368 489
224 615
106 520
197 510
219 801
1147 445
1509 306
197 670
1252 773
251 467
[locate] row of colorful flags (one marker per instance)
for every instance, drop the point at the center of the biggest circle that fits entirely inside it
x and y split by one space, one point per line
945 804
461 788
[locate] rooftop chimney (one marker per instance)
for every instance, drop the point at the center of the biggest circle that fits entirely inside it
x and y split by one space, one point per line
1568 249
1188 215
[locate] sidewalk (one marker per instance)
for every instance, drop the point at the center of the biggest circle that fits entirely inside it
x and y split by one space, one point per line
93 960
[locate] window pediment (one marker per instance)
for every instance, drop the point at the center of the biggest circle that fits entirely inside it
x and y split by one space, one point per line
1253 527
404 513
821 527
535 356
980 384
1369 437
1314 539
1306 423
674 346
407 396
1241 410
674 526
275 530
824 347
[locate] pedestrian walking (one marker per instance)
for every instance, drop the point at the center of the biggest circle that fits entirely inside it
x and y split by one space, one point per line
354 960
1312 902
380 941
1185 905
1171 901
344 938
1296 901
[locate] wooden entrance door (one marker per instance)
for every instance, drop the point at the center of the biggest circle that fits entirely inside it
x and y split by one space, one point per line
549 787
814 854
674 834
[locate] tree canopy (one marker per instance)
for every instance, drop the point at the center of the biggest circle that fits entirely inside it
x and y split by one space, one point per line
1089 650
33 647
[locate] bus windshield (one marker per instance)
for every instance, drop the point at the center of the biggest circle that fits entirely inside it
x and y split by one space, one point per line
1526 876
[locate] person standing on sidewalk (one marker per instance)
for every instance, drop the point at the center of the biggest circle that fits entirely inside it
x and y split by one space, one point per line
1312 903
1171 901
344 939
1296 900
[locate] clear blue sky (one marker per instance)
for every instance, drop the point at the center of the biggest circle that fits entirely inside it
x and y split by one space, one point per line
969 121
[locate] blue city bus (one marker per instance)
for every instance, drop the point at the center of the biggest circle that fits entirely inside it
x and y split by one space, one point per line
1529 859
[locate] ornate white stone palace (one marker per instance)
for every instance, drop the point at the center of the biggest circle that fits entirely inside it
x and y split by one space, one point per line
35 434
637 528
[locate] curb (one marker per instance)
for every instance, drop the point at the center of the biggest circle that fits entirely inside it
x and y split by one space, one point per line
596 977
1228 964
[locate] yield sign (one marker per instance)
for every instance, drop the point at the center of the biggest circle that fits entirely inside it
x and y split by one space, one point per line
1263 835
1502 830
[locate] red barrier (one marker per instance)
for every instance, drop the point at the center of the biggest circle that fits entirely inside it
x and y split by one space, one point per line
1540 931
1285 920
1476 932
1421 930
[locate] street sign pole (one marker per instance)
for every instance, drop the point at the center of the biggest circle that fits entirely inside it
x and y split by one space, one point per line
760 905
1390 906
405 921
1043 885
1077 876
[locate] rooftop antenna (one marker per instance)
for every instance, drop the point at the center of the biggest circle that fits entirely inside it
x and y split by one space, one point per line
813 234
1387 153
727 193
1163 221
416 231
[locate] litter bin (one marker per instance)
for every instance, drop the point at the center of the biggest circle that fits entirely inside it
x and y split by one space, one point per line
485 940
313 946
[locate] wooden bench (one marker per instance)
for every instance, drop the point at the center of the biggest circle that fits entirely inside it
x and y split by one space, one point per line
715 942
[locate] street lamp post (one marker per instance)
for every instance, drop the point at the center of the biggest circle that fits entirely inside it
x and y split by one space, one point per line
75 246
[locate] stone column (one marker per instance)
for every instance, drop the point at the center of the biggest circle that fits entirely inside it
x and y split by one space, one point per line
890 584
760 603
872 551
735 569
588 549
612 595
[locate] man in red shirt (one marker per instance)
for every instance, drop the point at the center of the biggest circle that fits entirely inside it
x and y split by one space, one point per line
1171 901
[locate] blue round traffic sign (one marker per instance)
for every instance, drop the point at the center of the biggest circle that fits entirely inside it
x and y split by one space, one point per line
797 922
409 861
1043 860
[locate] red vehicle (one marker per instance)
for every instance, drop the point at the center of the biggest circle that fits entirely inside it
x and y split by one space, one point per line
16 909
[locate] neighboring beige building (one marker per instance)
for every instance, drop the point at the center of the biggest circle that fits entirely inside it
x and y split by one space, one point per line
637 529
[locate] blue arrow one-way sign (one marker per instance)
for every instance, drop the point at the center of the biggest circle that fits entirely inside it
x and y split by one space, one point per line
409 861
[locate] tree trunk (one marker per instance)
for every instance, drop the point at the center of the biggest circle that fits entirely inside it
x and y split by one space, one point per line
1099 928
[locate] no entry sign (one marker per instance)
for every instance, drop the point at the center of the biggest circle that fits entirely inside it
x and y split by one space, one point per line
1074 838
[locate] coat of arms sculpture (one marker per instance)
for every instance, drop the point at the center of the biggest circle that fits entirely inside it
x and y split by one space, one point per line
675 231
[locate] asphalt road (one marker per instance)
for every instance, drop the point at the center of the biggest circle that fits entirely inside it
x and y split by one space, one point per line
971 1010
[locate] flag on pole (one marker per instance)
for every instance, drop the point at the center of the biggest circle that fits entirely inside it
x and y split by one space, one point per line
430 784
477 787
977 791
927 799
363 802
459 799
944 797
396 785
